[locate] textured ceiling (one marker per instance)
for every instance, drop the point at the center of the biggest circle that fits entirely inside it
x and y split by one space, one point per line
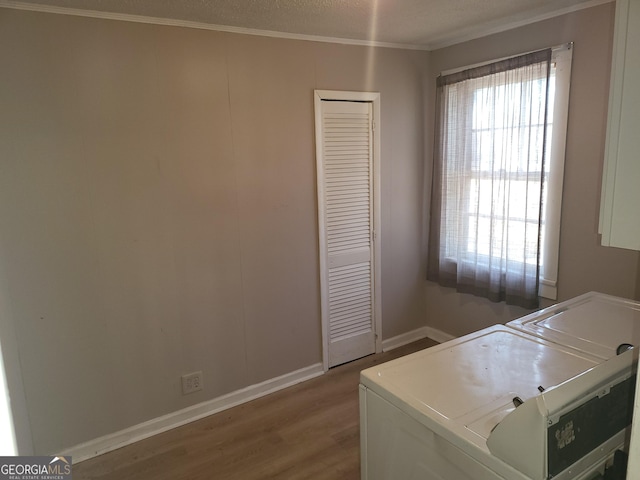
425 23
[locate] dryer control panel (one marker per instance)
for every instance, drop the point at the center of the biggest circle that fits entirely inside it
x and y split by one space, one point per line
568 430
583 429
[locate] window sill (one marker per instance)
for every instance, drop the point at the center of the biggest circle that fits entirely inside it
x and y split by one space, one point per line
548 289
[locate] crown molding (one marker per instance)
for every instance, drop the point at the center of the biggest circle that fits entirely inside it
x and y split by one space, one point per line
441 42
486 30
124 17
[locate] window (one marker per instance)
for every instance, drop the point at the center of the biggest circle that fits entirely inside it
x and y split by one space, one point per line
498 169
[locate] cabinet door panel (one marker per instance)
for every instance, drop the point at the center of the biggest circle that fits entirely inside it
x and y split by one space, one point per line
620 204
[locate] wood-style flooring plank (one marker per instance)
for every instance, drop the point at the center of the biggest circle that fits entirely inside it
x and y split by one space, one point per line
308 431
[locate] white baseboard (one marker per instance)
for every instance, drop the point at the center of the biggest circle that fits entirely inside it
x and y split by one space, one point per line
113 441
404 339
133 434
414 335
438 335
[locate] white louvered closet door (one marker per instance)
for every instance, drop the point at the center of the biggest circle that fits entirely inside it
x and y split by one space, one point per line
346 229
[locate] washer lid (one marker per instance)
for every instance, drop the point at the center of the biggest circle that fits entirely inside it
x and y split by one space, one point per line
468 384
594 323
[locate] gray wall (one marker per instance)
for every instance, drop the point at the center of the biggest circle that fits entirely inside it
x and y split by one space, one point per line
158 206
638 281
584 264
158 211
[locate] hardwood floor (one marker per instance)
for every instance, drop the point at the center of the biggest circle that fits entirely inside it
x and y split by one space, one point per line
308 431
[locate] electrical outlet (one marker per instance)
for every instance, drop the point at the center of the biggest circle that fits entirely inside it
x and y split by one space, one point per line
191 382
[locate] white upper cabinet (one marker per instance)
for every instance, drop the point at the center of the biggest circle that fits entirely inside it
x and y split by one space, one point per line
620 202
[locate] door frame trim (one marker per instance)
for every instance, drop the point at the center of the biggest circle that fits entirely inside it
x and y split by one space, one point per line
374 99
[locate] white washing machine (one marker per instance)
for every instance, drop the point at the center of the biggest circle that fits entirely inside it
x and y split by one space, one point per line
594 323
500 403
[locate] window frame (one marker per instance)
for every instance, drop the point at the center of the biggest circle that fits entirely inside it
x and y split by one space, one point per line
561 59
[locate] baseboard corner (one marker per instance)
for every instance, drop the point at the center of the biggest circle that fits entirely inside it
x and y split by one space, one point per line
415 335
438 335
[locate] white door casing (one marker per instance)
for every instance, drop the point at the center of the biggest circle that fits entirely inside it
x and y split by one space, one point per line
347 156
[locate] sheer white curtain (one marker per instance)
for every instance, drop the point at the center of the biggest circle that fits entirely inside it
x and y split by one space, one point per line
489 179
